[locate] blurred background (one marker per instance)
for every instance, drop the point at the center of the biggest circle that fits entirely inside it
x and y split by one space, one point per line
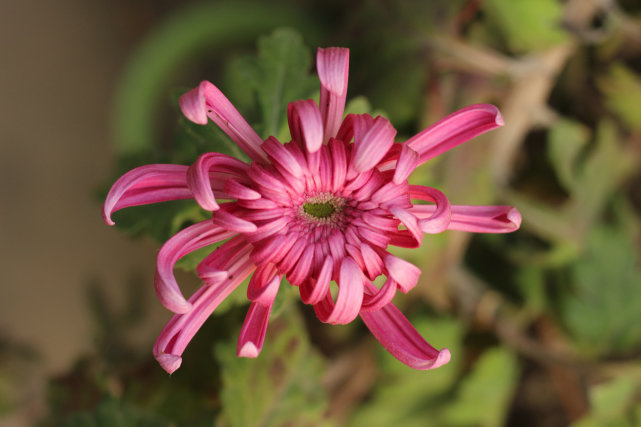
544 324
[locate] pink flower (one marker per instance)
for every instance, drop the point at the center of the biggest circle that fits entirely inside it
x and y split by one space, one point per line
323 207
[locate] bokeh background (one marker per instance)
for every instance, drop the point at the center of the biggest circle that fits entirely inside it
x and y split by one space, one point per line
544 324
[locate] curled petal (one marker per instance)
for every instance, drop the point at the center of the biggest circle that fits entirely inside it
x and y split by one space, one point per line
199 181
312 291
407 161
441 216
455 129
477 219
332 65
252 334
144 185
237 190
188 240
179 331
399 337
224 219
372 147
350 296
408 220
375 299
208 101
263 285
306 124
403 272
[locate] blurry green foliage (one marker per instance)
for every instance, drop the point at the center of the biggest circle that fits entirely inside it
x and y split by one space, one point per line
602 308
622 88
526 25
613 404
281 386
114 413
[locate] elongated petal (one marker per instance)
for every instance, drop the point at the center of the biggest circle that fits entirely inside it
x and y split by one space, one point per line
188 240
199 181
306 124
407 161
252 334
399 337
144 185
441 216
455 129
409 220
313 290
372 147
477 219
403 272
231 222
374 299
350 296
283 157
181 328
332 65
264 284
208 101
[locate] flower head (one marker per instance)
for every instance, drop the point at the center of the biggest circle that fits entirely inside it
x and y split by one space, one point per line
321 208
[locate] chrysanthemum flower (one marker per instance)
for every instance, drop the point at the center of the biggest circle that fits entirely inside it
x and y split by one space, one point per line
321 208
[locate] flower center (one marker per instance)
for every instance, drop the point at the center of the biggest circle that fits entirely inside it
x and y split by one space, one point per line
319 210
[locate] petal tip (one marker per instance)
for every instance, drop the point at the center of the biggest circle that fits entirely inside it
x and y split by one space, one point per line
248 349
169 362
498 119
193 104
514 216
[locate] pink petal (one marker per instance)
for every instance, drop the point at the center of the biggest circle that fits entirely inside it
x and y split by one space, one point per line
408 160
282 156
372 147
224 219
188 240
237 190
301 270
332 65
199 180
373 262
350 296
477 219
179 331
339 163
252 334
208 101
312 291
263 285
455 129
441 216
403 272
408 220
306 124
375 299
399 337
144 185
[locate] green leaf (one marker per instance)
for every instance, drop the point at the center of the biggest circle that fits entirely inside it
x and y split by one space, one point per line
565 141
622 88
279 75
282 386
485 393
526 25
610 403
606 166
602 311
113 413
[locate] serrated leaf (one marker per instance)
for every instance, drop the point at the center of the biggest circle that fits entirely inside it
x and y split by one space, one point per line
282 386
279 75
602 311
527 25
622 88
565 141
485 393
